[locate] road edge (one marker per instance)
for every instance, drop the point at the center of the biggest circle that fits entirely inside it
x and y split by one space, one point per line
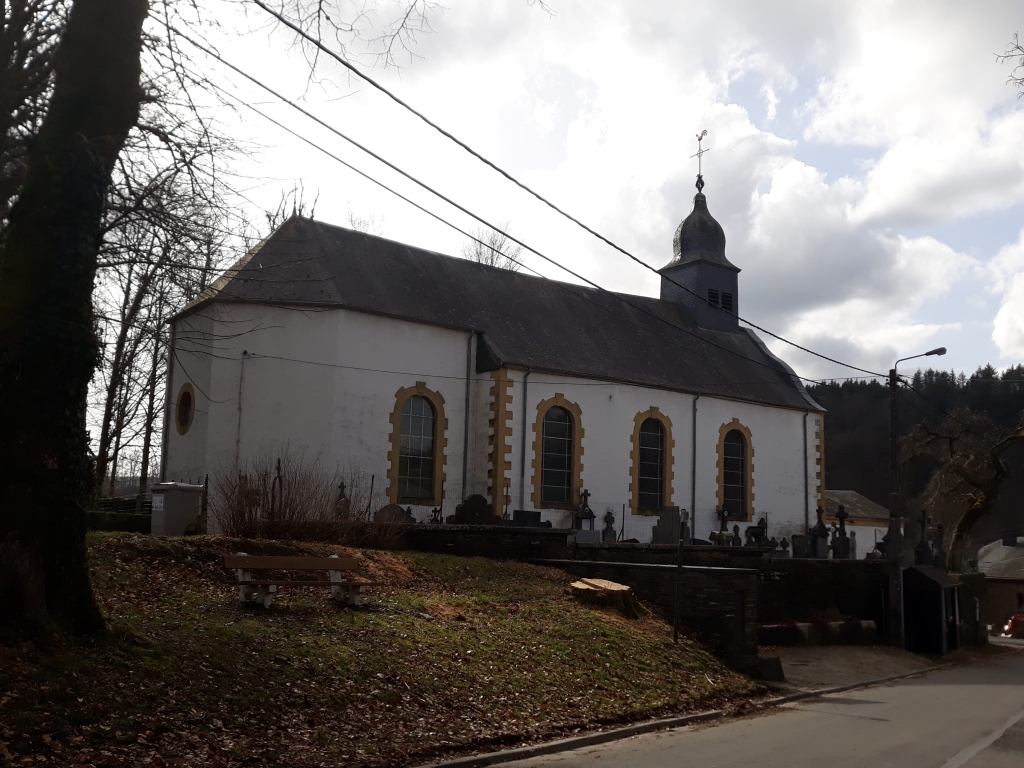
663 724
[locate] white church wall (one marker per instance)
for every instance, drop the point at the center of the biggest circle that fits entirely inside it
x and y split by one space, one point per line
607 414
323 384
190 365
777 444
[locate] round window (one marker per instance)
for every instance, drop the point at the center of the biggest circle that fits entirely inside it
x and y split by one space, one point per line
185 410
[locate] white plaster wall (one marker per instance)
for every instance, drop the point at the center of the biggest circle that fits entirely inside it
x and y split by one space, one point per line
608 412
185 455
331 396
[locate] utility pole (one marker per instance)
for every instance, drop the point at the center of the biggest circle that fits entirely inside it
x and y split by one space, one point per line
894 543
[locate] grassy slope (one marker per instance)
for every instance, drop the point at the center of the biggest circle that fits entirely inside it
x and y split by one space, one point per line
450 654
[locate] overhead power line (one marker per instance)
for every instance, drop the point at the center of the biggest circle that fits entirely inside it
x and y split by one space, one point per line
349 66
459 207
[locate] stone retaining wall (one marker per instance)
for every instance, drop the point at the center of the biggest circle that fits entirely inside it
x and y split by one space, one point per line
717 605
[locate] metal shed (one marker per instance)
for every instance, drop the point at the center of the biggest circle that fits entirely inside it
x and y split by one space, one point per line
931 610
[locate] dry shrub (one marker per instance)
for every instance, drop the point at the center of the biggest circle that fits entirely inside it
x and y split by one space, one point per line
272 496
289 496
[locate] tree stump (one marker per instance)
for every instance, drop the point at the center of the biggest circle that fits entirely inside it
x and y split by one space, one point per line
606 593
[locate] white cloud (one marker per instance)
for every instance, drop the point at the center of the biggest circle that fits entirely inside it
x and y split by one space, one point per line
1007 272
597 107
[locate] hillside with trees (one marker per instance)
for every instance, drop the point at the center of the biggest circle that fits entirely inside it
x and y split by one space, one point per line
936 402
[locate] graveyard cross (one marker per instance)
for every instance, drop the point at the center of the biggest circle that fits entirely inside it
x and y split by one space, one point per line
699 156
723 516
842 514
584 513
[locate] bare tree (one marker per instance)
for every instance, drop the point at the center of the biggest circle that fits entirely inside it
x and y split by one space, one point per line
494 248
969 469
368 224
1014 54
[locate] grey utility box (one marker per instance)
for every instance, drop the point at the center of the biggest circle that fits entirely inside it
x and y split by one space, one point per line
176 506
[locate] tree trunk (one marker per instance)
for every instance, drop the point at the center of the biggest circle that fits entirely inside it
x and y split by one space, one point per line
48 349
147 437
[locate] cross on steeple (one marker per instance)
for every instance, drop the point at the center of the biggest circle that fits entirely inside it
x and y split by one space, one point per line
699 156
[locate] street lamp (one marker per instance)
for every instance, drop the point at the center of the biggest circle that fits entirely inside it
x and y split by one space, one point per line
894 545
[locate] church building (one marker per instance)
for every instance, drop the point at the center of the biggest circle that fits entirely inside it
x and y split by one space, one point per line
442 378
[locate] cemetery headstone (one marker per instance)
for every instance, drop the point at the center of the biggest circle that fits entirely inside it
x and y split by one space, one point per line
841 546
800 545
474 511
819 537
666 530
608 535
393 513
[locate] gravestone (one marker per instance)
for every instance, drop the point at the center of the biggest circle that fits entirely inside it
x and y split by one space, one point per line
608 535
757 535
474 511
853 545
526 518
800 545
585 516
819 537
392 513
841 546
666 530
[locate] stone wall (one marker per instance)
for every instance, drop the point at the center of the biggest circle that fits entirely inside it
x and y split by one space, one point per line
498 541
788 590
716 605
117 521
808 590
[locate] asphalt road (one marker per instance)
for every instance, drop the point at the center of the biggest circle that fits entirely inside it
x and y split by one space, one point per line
966 717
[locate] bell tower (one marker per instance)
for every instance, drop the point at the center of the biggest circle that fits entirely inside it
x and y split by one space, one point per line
699 275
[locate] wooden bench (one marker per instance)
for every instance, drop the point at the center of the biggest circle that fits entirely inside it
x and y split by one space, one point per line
262 590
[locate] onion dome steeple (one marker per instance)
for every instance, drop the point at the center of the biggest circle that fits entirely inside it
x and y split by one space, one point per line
699 275
699 237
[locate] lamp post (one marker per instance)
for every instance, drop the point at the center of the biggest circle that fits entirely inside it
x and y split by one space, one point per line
894 545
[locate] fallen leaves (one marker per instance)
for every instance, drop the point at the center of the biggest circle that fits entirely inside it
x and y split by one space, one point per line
451 655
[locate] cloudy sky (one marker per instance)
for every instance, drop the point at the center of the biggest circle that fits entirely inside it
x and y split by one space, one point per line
867 158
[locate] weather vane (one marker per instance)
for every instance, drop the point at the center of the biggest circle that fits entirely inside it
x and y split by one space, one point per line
699 156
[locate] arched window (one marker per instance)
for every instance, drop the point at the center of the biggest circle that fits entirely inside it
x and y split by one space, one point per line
734 473
651 472
416 451
556 457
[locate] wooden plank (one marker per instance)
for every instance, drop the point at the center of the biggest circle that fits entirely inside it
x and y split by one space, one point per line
288 563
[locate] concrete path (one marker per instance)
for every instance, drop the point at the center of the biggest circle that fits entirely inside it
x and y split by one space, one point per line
966 717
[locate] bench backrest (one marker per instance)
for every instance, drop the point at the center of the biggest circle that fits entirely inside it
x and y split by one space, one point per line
291 563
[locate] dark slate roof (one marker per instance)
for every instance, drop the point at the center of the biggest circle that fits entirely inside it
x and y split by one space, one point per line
525 321
700 238
858 507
